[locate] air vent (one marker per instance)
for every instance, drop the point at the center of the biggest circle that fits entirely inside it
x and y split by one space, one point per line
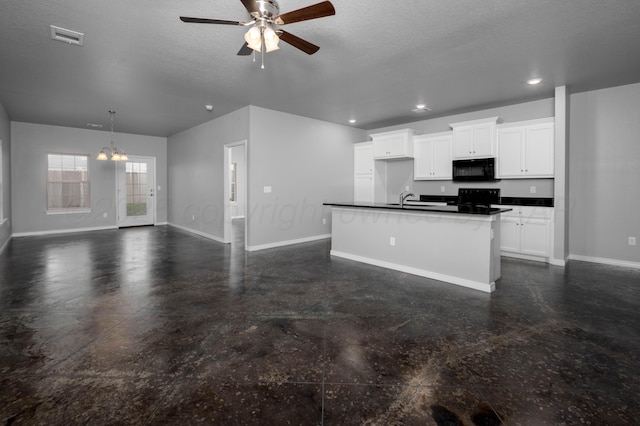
94 126
67 36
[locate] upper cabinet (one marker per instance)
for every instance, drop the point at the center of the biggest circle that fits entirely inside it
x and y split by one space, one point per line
394 145
363 158
475 138
526 149
432 156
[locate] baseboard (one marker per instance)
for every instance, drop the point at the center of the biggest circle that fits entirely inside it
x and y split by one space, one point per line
6 243
287 243
603 260
558 262
524 257
476 285
62 231
200 233
162 223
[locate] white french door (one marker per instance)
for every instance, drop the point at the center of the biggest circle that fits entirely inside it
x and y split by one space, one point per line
136 191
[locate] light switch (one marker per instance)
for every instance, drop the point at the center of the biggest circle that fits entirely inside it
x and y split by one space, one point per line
267 189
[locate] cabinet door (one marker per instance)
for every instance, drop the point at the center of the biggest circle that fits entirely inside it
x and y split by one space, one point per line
363 189
538 150
463 142
483 139
380 148
397 146
422 160
441 154
510 142
363 157
509 234
534 237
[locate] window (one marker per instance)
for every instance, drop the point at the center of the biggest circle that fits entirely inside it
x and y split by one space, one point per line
67 182
233 182
136 188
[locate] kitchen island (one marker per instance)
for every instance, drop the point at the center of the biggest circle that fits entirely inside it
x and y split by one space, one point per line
455 244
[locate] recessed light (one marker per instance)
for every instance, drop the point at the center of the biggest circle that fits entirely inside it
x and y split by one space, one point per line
421 108
352 121
208 107
534 81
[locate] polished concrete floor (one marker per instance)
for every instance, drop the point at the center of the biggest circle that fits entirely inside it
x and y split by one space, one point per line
155 325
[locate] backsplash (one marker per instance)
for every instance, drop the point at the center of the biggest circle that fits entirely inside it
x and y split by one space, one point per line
400 175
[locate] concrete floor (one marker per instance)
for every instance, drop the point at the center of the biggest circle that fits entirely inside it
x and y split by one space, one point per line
155 325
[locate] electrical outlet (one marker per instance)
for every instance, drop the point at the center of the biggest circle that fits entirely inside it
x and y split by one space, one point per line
392 241
193 218
324 221
442 189
532 189
632 241
267 189
407 188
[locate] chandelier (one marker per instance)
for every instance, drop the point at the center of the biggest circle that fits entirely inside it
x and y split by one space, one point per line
111 151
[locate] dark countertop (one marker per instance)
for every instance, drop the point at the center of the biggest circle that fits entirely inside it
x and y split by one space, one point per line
427 209
505 201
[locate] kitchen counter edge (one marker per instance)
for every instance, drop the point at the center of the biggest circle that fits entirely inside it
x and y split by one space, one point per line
425 209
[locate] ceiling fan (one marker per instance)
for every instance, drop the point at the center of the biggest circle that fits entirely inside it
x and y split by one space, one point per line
264 34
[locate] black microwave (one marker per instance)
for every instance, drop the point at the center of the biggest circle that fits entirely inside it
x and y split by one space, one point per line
476 170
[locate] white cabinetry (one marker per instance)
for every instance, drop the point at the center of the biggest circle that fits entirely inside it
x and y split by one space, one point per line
474 139
369 183
363 172
432 156
394 145
526 149
526 232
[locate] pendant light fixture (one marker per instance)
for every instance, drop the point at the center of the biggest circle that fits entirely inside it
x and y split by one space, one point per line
111 151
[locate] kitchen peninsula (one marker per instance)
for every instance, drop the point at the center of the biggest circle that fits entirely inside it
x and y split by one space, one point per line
455 244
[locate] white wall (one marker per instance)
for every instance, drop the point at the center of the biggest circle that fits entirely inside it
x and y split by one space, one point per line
400 173
30 145
196 173
305 162
605 174
5 136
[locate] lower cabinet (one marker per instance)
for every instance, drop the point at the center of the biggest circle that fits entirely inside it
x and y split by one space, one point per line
364 189
526 232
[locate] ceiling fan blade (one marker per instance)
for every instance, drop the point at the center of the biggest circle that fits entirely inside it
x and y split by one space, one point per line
298 43
210 21
245 50
251 6
319 10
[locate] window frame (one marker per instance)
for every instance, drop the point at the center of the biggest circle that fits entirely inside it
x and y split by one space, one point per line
65 210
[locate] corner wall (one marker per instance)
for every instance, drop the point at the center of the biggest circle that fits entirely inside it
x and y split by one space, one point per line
605 175
5 136
196 173
31 144
305 162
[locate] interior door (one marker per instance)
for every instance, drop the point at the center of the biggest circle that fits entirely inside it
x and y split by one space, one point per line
136 192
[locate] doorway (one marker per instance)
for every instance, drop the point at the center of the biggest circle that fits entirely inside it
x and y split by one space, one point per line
235 193
136 191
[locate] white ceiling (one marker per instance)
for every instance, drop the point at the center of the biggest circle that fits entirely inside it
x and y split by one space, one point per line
377 59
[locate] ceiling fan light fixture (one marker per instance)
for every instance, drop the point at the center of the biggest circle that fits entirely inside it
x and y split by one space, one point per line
271 39
253 37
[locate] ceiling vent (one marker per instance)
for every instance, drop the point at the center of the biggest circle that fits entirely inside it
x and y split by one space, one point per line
67 36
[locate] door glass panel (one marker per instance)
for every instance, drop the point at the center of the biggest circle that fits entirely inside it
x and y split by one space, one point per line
137 190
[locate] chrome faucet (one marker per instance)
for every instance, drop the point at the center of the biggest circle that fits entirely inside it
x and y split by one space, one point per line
404 196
